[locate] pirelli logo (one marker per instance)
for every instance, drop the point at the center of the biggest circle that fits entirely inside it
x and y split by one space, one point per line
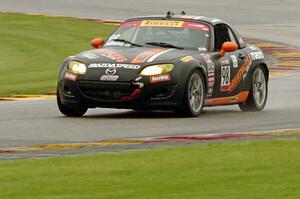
162 23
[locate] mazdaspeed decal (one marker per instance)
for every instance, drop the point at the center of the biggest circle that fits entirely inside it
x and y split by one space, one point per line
239 76
112 65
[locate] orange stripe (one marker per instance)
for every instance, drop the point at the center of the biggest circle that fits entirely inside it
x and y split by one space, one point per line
240 98
146 55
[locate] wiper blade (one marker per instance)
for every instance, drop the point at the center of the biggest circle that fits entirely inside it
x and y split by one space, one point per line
127 42
163 44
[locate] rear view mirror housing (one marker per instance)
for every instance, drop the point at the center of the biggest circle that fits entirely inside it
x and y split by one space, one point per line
228 47
97 43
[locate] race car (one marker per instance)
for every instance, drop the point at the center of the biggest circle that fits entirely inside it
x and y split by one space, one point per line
165 62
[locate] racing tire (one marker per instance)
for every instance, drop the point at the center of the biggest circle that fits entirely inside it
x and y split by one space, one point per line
258 92
75 111
194 96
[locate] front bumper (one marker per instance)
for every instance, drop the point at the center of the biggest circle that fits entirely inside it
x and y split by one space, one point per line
130 95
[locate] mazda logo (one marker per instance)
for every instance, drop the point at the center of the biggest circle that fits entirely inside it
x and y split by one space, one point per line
110 71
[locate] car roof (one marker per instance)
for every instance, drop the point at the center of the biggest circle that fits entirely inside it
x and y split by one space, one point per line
209 20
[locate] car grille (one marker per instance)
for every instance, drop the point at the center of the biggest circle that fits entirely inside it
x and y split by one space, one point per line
105 90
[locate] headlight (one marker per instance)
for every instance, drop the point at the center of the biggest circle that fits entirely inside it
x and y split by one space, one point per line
157 69
77 67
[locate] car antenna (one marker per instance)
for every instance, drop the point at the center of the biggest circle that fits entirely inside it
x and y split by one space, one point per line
169 15
183 13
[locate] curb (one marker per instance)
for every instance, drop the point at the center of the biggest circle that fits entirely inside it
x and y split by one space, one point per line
62 148
288 57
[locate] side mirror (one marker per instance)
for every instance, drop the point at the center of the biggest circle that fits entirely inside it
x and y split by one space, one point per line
228 47
97 43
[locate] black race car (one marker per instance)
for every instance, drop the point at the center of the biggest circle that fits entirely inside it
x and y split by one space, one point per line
172 62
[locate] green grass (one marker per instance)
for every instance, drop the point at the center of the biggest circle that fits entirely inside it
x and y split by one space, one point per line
244 170
33 47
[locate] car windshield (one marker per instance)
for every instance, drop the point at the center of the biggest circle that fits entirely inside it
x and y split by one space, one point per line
164 33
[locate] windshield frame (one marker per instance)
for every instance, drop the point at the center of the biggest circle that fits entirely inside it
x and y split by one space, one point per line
209 46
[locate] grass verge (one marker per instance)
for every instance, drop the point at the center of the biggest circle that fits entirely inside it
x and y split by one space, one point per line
249 170
33 47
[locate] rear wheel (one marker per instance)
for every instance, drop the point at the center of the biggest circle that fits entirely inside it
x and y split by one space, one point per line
75 111
194 95
258 92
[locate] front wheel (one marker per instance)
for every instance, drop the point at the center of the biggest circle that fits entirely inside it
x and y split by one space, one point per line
194 95
68 111
258 92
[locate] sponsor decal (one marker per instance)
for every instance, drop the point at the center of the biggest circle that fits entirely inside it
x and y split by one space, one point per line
165 23
211 76
144 56
224 62
70 76
162 23
211 79
113 55
195 26
130 24
109 77
113 65
225 78
211 69
202 49
160 78
207 58
111 71
239 76
234 61
114 36
187 59
257 55
211 82
116 43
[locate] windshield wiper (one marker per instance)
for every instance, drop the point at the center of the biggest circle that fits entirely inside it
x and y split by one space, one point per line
127 42
163 44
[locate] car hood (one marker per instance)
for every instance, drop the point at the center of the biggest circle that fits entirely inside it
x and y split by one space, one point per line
127 61
132 55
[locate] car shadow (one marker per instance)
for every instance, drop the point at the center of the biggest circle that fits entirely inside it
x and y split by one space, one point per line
158 114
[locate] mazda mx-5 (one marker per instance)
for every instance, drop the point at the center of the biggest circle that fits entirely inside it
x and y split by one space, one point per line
168 62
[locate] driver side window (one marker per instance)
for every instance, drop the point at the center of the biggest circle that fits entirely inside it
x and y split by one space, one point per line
223 34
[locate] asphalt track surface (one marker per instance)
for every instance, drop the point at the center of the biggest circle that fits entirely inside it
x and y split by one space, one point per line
38 122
